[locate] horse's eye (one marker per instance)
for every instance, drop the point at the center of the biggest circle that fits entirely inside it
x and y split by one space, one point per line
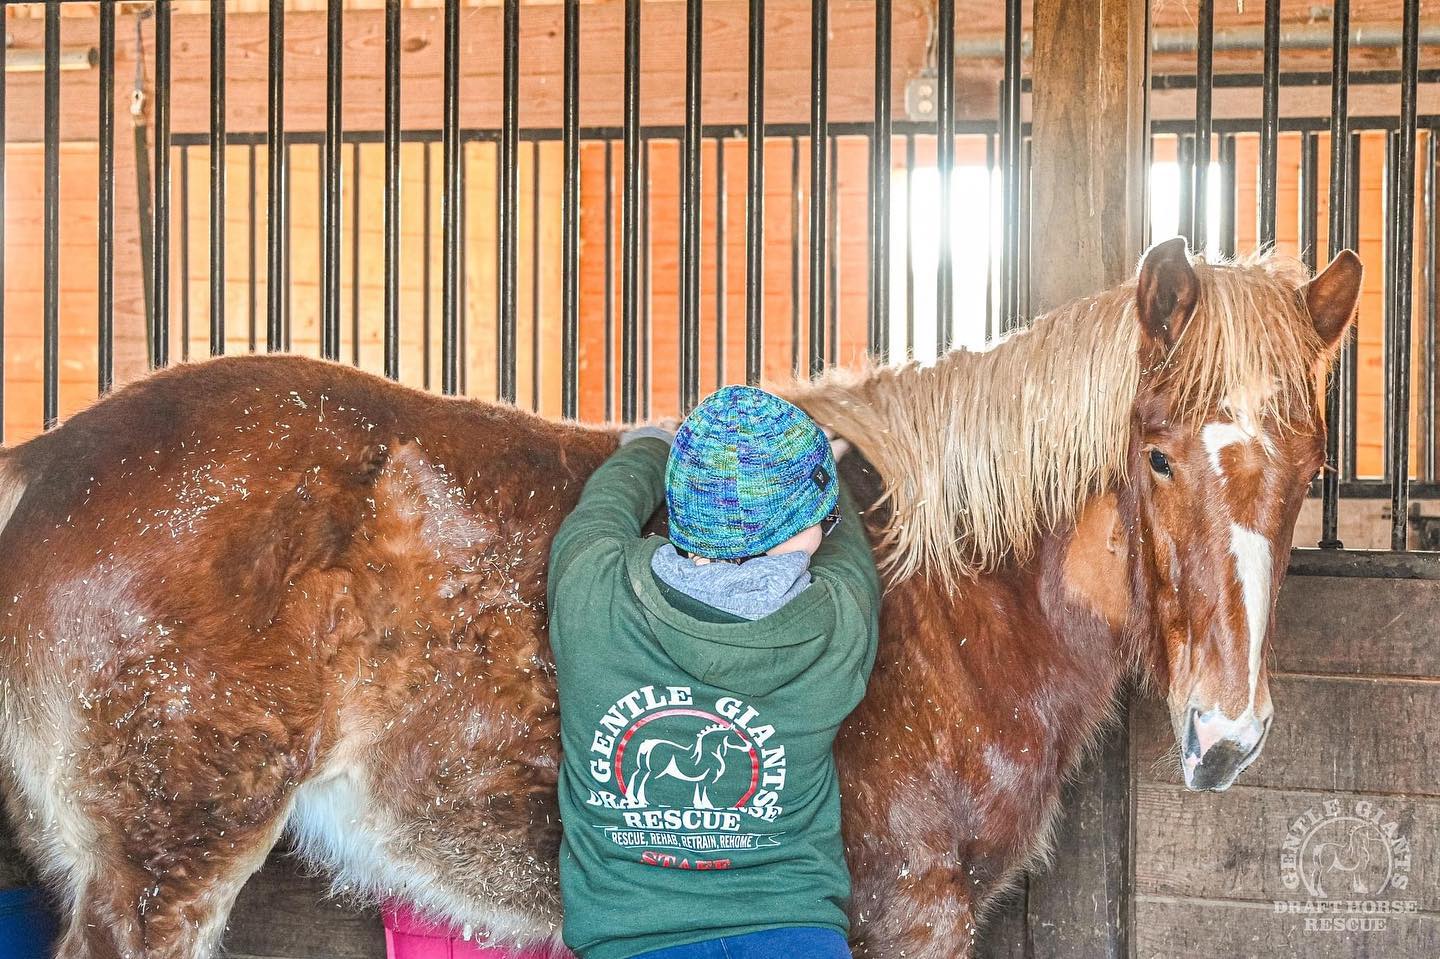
1159 463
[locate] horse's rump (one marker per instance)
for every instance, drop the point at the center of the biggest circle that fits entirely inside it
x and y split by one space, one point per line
257 578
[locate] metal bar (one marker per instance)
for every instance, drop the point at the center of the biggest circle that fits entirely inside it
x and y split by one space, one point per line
1349 355
1204 121
609 280
989 238
909 245
1404 273
185 253
275 291
1391 220
288 294
1227 194
720 261
160 355
509 225
217 178
105 203
832 240
391 306
355 253
880 188
462 255
795 200
1022 233
51 306
1309 199
450 204
1010 171
755 197
690 160
1310 35
819 110
646 326
1428 377
570 221
1269 126
330 196
535 276
426 234
1185 160
252 247
945 164
630 223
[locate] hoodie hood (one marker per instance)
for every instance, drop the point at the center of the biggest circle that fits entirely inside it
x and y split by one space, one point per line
751 590
755 657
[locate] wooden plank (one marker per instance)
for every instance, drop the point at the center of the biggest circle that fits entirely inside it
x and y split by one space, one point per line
1184 928
1328 624
1344 733
284 914
1003 932
1229 845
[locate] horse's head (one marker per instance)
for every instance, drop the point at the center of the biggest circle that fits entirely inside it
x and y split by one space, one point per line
1226 437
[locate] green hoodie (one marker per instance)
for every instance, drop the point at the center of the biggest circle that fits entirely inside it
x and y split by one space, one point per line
698 785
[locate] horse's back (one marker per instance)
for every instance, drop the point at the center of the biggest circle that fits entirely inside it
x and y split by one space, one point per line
237 576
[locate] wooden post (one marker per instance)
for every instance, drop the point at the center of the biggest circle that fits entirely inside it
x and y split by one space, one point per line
1091 145
1088 186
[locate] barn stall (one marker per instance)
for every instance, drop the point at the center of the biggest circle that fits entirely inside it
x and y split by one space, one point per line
449 202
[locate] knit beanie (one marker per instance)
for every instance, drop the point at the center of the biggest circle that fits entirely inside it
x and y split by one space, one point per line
747 471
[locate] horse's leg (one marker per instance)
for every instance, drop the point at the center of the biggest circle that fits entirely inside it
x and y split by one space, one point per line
122 911
926 916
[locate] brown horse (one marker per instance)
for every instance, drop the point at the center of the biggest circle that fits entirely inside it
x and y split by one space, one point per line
265 593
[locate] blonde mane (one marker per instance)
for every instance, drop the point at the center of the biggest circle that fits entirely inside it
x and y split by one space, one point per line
981 453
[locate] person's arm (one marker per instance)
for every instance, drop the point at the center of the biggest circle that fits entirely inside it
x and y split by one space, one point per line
844 556
617 500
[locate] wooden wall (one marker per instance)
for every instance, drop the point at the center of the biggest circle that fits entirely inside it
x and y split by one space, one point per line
1355 677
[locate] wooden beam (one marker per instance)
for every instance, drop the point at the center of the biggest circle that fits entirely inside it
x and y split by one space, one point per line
1088 186
1090 146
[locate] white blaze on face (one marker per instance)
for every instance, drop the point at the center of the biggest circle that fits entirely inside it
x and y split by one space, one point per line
1250 549
1253 568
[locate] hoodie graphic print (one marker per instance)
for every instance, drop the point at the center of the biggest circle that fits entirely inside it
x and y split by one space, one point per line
697 785
693 783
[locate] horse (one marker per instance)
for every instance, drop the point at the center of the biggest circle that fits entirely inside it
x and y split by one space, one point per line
700 763
264 594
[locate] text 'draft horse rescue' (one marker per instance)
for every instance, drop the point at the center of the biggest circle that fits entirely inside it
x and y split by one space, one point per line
260 594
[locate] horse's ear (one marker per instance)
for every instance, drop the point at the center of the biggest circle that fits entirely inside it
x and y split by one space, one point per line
1167 292
1331 297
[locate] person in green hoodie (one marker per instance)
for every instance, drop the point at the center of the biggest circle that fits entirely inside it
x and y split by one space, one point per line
702 679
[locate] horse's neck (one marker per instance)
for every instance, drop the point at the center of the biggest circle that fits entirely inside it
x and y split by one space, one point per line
1079 580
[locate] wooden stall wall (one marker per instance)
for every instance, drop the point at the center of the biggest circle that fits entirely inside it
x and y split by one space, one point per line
1345 794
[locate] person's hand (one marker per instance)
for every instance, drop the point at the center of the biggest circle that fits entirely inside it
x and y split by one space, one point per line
839 446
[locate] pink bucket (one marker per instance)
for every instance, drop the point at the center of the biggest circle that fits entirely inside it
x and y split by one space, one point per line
407 936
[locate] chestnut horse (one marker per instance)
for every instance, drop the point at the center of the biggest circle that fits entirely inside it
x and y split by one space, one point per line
264 594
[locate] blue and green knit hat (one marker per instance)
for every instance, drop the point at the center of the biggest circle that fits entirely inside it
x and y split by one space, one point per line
747 471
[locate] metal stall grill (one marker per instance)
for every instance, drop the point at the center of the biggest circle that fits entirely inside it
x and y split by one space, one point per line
755 237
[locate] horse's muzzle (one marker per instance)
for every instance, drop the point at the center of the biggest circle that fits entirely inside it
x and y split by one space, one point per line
1216 749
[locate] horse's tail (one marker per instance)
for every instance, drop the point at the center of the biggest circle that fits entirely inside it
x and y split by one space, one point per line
12 487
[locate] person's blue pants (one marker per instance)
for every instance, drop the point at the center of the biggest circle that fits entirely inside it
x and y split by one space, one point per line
790 943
